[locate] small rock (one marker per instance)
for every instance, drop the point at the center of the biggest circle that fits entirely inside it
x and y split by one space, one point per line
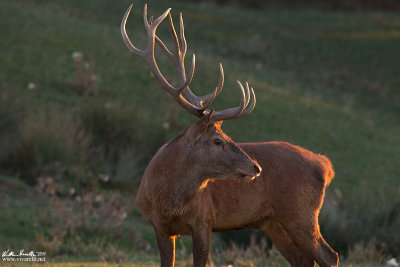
72 191
77 56
392 262
166 125
31 86
104 178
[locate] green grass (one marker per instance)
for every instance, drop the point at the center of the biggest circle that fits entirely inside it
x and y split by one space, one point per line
327 81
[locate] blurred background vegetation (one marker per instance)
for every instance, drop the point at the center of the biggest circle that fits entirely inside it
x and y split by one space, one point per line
327 5
80 117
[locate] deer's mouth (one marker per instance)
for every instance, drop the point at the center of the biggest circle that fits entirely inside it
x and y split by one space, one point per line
249 177
248 174
256 171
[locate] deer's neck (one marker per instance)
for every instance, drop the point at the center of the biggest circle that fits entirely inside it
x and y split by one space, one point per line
173 180
179 192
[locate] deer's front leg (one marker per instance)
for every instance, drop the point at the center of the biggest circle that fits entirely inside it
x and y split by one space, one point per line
201 244
166 246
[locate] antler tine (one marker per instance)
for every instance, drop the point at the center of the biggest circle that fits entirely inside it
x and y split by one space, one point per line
251 107
125 37
175 37
150 28
153 26
206 100
241 110
182 35
191 73
164 48
145 21
247 94
217 90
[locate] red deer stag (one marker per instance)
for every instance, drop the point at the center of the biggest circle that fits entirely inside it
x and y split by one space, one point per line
202 181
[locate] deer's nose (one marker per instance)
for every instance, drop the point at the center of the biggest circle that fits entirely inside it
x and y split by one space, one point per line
257 168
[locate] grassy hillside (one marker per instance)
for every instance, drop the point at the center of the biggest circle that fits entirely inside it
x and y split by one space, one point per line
325 81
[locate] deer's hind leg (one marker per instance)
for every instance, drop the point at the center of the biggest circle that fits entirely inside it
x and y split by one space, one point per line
302 227
311 240
285 244
201 244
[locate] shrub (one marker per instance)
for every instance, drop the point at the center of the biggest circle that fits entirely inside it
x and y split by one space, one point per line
45 144
358 220
256 253
128 168
113 127
85 80
367 253
123 139
11 113
76 221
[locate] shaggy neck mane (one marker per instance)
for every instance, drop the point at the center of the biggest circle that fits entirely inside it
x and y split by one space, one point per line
176 183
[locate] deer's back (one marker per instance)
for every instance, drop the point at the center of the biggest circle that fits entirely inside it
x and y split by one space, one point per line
291 177
285 159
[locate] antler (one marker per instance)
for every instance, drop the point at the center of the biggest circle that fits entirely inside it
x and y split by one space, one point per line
197 105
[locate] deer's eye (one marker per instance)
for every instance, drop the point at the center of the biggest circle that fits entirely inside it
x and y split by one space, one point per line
218 142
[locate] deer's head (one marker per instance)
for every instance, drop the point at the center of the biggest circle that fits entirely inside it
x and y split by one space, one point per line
213 154
204 144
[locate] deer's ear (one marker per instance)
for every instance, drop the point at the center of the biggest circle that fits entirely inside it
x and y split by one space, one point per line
201 126
218 124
